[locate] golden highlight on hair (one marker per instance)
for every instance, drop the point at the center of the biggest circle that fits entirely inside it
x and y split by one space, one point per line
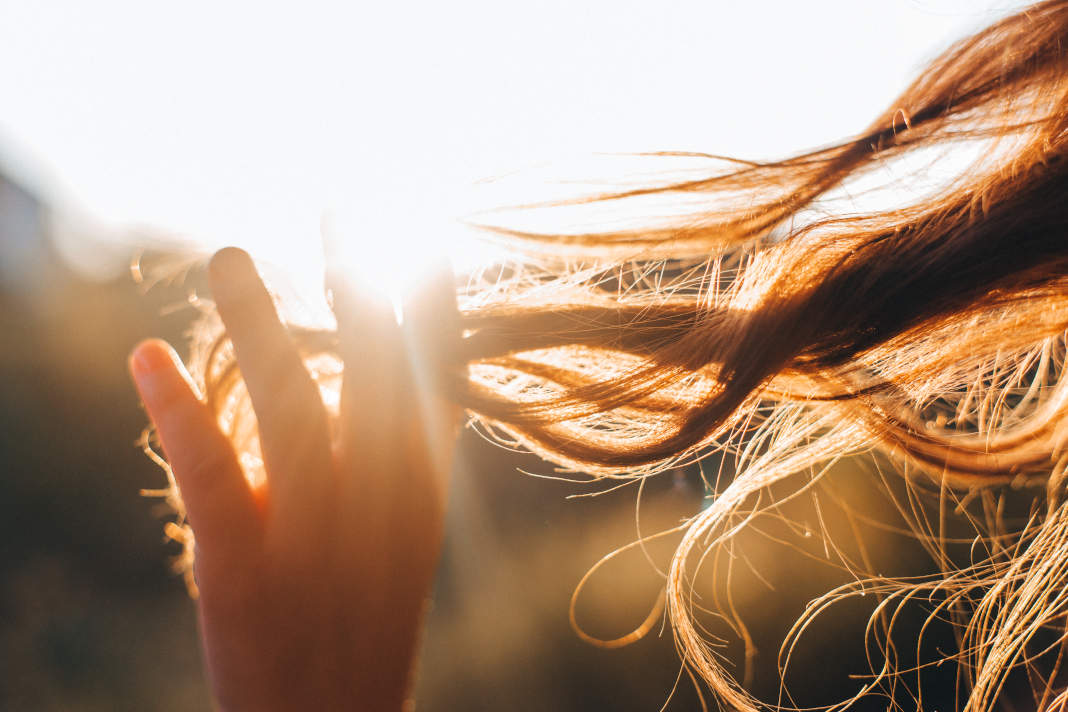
786 336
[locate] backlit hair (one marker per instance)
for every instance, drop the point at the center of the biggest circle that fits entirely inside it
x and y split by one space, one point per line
774 331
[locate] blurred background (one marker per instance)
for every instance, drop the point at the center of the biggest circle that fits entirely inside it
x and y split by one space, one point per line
168 130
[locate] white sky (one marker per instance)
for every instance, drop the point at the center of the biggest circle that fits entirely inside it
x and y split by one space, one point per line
239 122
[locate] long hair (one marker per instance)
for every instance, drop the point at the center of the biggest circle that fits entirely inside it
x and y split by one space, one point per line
774 331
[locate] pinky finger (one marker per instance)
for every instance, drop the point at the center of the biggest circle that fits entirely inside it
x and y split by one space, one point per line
219 502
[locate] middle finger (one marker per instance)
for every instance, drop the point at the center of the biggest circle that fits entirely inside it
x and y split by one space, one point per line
293 429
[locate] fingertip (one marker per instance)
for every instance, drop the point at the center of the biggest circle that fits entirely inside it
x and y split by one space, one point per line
227 260
155 367
431 316
233 278
151 356
435 293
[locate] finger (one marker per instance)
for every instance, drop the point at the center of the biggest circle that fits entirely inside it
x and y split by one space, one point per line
219 502
294 434
395 453
417 492
431 329
371 349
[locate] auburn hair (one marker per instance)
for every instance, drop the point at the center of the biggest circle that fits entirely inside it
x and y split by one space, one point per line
773 330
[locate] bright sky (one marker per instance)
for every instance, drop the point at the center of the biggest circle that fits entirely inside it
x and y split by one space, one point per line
241 122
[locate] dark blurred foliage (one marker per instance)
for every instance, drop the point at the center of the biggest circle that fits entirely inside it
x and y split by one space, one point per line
93 618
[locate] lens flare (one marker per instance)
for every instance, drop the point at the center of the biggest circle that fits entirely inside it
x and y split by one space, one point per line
392 248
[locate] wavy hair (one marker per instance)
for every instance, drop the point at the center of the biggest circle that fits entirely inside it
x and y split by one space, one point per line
770 329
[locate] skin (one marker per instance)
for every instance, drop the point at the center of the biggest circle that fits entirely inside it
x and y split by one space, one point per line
313 585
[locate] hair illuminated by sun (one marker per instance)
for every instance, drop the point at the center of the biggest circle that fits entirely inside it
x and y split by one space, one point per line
782 334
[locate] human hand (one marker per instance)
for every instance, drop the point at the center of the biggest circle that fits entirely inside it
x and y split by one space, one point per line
312 586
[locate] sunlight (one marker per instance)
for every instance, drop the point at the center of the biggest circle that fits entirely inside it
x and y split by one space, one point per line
393 248
277 115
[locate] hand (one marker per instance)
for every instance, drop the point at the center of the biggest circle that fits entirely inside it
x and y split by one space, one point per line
312 586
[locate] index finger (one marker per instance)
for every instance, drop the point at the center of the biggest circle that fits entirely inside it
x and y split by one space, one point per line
219 503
